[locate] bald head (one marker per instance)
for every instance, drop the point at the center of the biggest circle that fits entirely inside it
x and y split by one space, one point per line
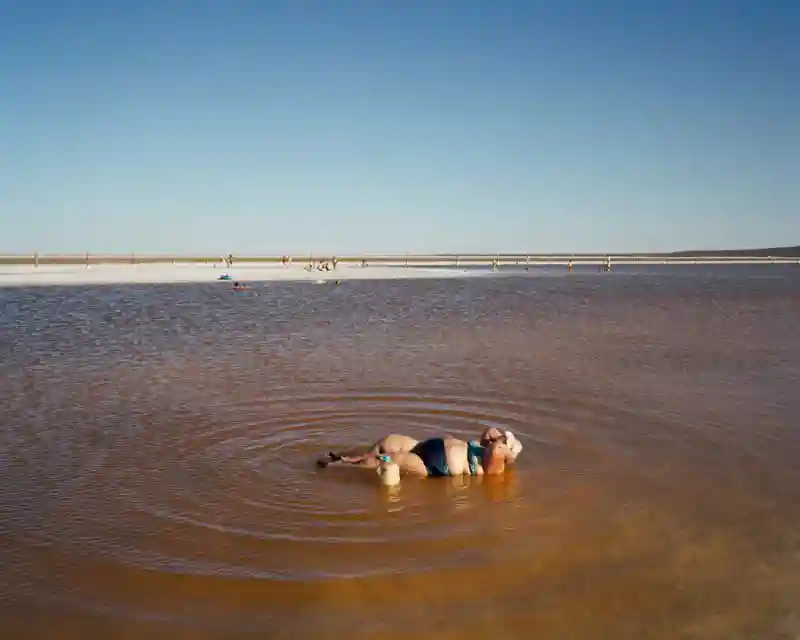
490 435
512 447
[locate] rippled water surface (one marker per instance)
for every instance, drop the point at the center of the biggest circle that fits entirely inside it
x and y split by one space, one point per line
157 448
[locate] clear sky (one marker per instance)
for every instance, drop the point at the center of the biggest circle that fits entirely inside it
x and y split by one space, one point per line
340 126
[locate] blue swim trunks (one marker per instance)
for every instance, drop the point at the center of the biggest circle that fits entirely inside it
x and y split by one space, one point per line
432 453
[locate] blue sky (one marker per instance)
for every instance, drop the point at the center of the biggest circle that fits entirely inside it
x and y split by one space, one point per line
398 125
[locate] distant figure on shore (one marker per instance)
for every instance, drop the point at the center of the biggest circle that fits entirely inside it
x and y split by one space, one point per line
437 457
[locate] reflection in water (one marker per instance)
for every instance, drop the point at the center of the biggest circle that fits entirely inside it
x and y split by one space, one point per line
392 497
157 473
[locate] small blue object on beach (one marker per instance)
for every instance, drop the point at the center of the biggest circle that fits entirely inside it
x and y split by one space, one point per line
224 276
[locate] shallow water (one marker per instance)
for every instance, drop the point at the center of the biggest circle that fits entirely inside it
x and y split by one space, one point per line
157 447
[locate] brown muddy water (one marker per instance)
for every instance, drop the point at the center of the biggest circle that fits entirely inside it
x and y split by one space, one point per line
157 449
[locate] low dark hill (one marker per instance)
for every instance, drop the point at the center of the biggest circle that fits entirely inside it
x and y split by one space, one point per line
776 252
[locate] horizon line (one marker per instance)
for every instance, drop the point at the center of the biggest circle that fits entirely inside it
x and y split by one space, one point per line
385 254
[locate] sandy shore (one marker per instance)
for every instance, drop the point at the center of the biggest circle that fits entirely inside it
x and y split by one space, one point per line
119 273
27 275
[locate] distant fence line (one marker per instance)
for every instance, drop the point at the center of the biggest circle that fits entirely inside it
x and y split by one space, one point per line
37 259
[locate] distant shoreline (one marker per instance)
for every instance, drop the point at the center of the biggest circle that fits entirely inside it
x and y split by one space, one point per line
104 273
433 259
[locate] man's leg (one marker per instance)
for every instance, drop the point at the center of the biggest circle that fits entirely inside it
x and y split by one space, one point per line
392 445
368 460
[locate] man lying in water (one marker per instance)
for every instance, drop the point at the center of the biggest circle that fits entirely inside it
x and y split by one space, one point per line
436 457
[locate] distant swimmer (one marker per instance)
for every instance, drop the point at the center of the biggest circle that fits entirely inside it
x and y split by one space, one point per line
239 286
